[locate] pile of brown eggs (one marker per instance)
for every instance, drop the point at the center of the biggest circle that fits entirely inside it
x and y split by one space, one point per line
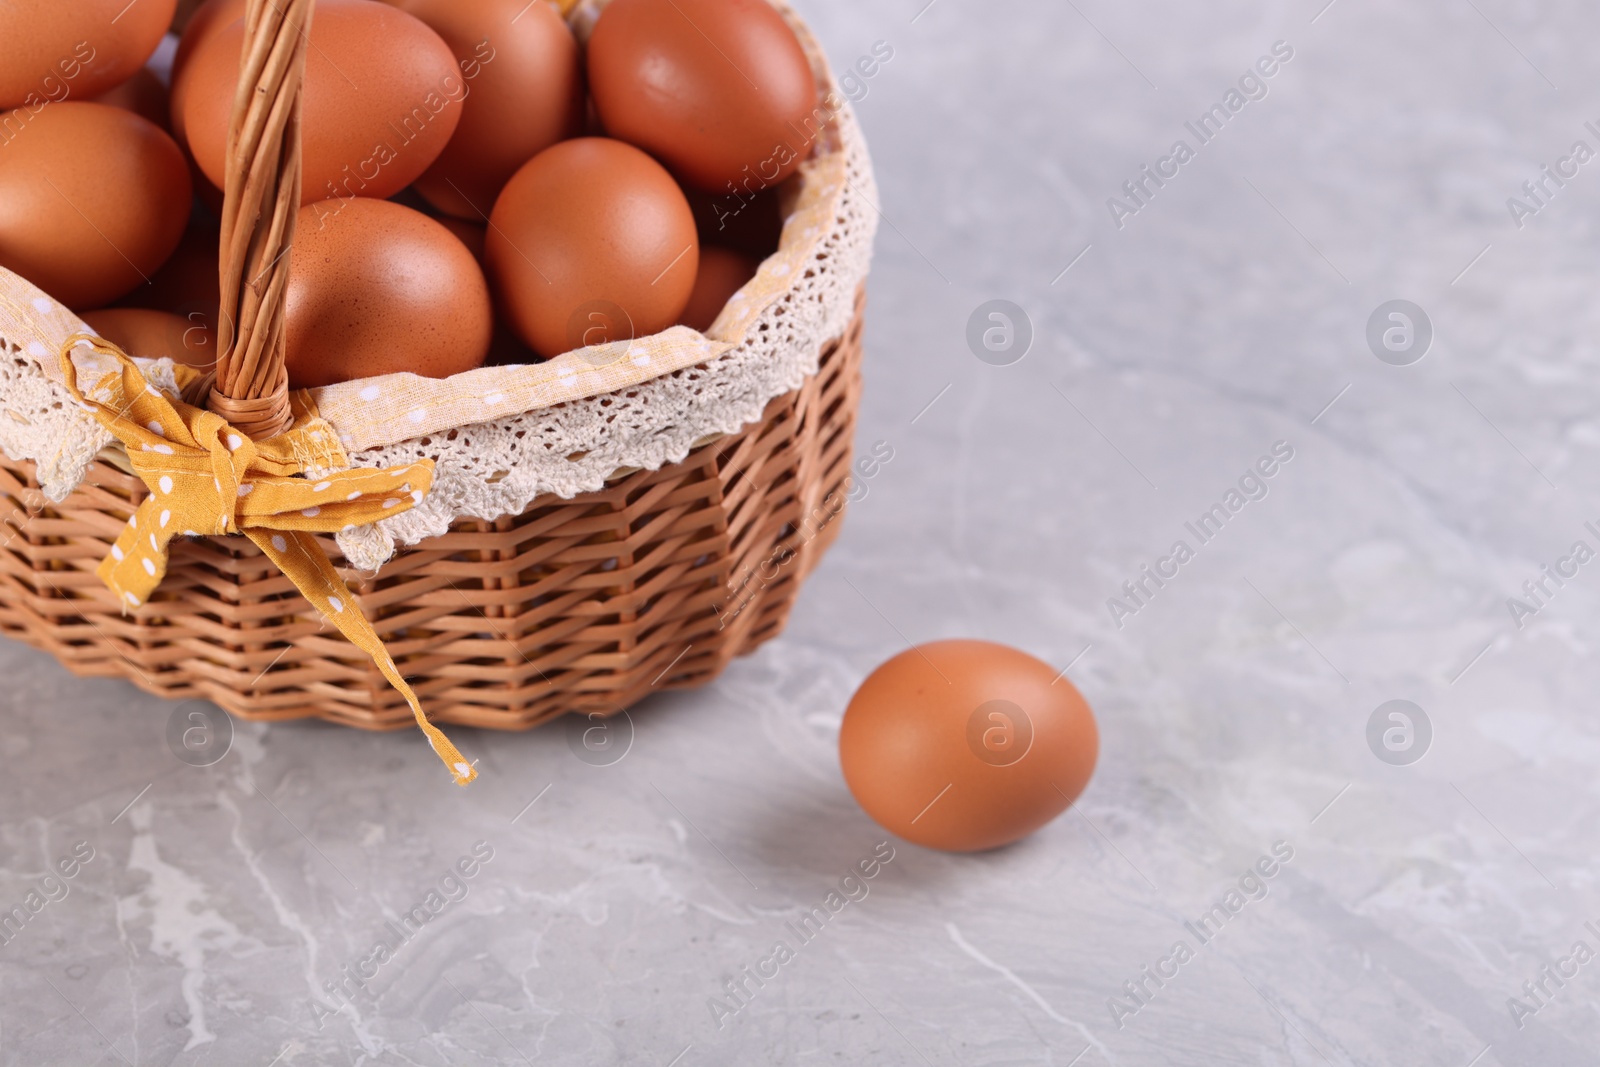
478 186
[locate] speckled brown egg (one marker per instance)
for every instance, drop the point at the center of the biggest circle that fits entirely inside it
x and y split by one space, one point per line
87 234
382 99
591 242
524 79
53 50
718 90
156 335
966 745
377 288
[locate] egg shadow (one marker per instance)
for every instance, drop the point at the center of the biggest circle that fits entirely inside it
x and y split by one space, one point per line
817 831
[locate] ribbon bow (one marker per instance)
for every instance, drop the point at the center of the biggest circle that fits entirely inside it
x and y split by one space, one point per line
205 477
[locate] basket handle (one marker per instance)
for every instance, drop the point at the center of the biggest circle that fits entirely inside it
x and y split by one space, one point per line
260 201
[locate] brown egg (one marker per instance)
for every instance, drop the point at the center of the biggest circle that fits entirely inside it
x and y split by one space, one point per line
212 16
51 50
143 94
966 745
376 288
591 242
207 19
722 273
524 93
88 233
382 98
718 90
156 334
186 284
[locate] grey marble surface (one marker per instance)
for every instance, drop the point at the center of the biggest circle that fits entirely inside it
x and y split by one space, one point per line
1228 313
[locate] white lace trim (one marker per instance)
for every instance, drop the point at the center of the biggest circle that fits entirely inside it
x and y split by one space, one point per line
486 470
497 468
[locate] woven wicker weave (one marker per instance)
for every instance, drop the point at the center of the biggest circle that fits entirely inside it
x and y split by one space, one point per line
582 605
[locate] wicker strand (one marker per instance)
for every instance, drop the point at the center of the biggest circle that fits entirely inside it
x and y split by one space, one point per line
261 200
584 605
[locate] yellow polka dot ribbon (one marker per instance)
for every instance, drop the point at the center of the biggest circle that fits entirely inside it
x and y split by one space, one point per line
207 478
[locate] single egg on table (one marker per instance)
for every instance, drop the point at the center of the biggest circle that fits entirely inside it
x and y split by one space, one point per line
966 745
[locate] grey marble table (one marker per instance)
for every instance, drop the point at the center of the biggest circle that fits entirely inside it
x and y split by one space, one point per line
1430 911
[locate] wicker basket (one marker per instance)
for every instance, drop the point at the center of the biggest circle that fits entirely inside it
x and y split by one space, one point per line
582 605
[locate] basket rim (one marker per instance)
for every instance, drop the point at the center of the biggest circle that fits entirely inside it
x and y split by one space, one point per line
46 426
816 193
